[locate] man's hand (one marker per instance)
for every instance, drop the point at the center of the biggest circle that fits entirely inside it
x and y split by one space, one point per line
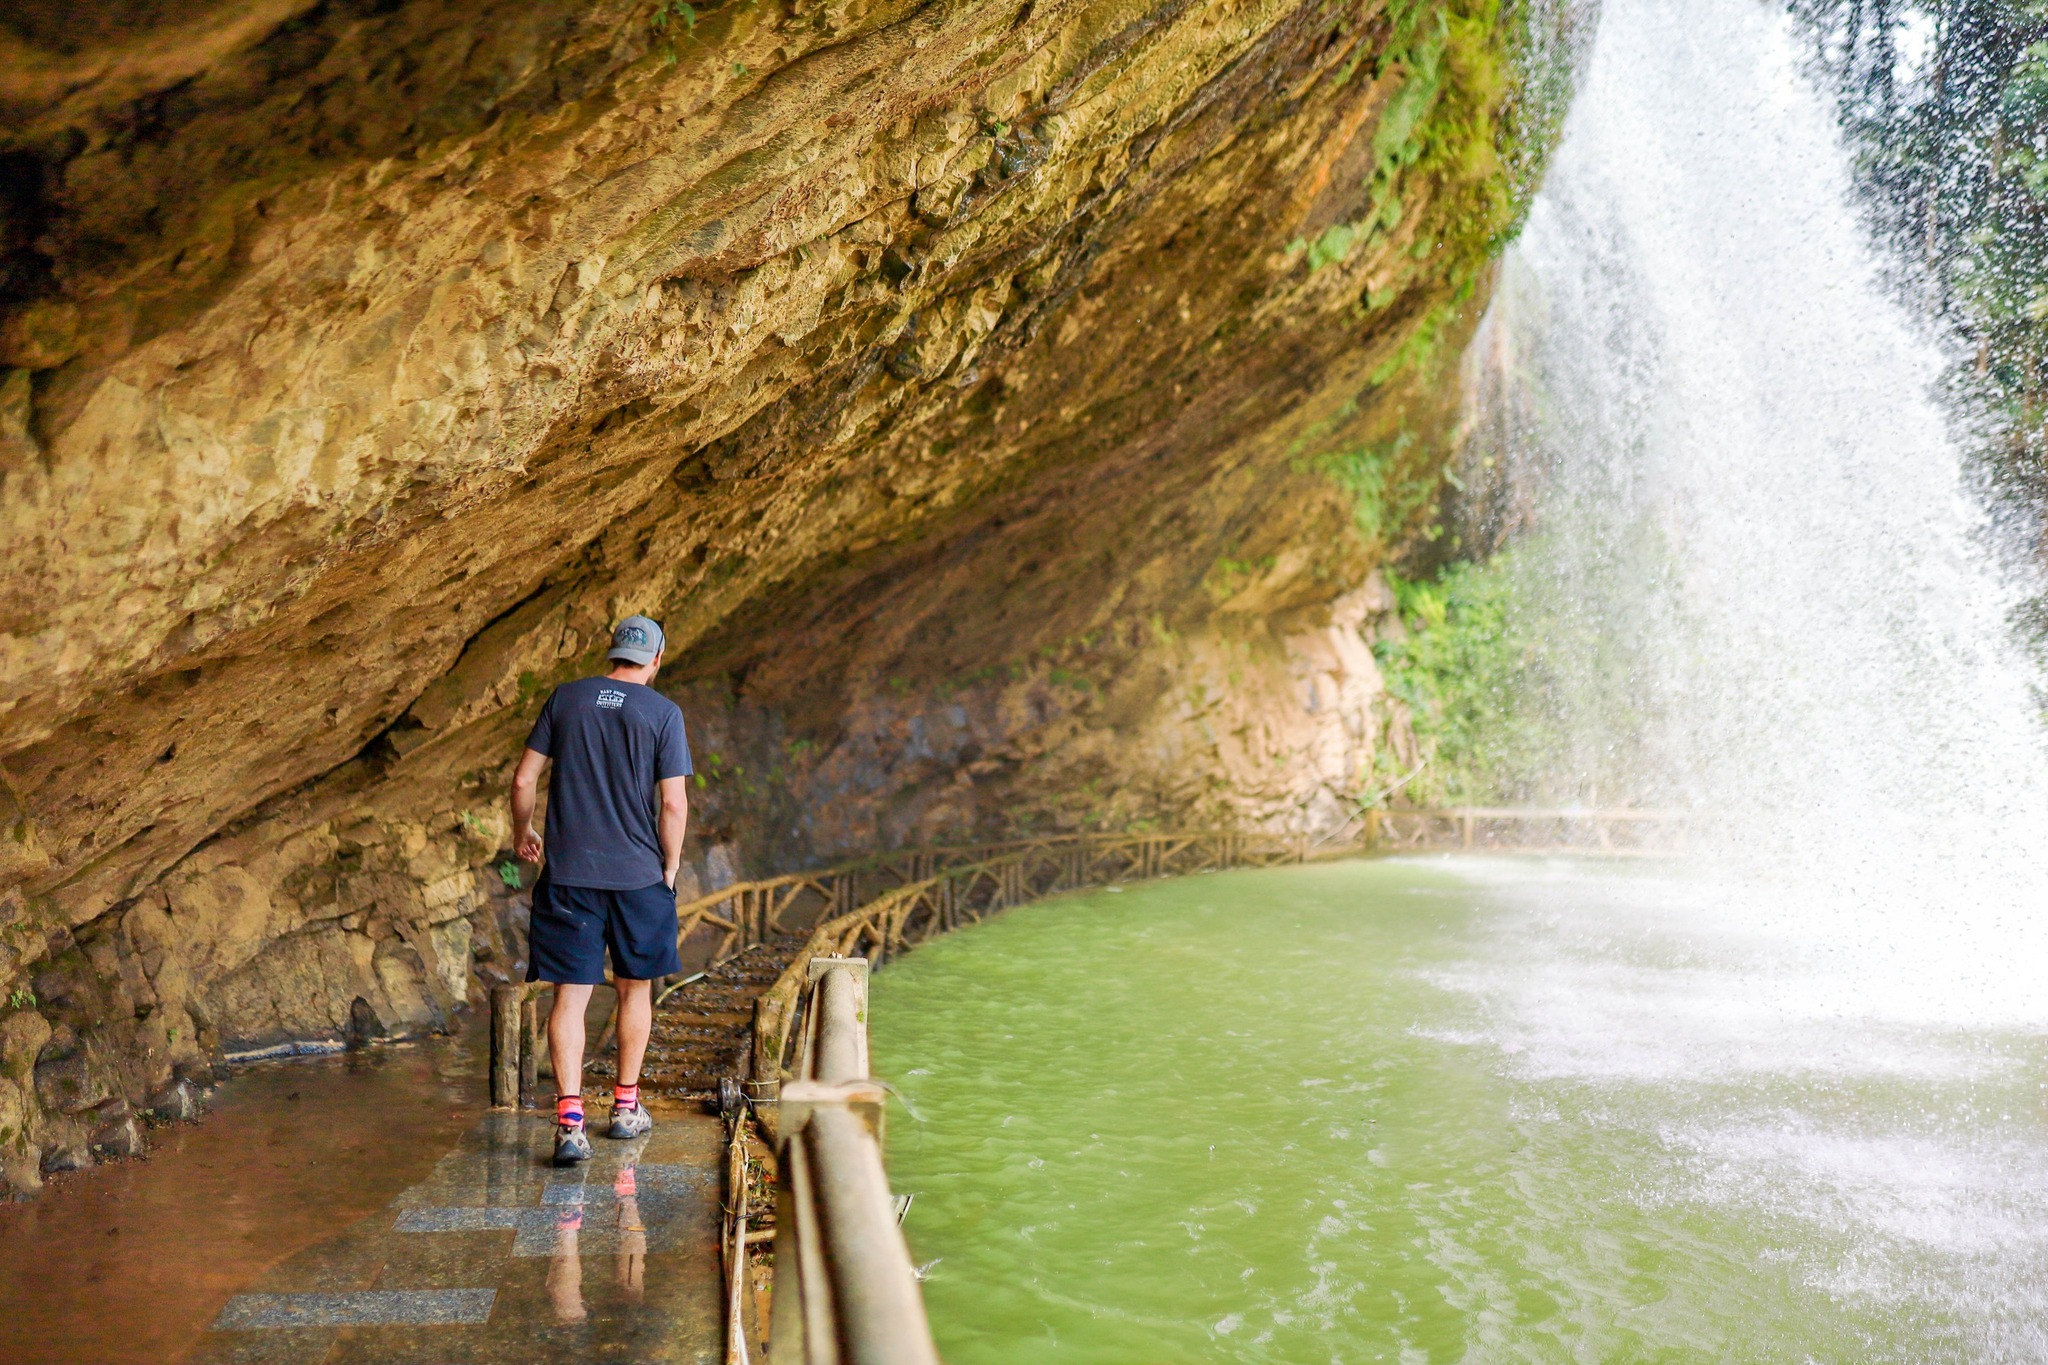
528 847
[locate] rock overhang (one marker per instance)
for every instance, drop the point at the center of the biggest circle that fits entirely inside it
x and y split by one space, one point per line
952 369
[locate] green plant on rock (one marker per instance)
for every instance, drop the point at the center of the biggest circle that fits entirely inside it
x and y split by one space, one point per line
668 13
1334 245
1525 684
674 10
1227 577
1386 486
1476 685
1481 94
680 20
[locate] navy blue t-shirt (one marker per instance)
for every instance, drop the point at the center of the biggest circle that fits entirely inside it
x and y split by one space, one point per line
611 742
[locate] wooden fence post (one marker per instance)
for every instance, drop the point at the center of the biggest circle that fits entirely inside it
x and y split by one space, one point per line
505 1046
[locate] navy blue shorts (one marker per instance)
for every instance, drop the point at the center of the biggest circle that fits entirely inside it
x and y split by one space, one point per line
574 925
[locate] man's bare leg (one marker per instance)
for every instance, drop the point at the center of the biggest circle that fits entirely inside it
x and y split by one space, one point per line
636 1021
565 1037
565 1045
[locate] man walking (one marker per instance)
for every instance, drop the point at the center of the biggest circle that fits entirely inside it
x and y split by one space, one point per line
617 808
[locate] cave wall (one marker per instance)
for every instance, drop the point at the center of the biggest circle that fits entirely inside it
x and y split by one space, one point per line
957 382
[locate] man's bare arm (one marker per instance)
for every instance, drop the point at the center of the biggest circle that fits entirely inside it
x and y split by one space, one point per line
675 821
525 791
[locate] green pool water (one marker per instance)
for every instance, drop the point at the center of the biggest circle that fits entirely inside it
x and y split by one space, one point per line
1451 1110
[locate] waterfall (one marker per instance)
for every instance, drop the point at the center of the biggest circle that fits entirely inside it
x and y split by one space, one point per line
1751 505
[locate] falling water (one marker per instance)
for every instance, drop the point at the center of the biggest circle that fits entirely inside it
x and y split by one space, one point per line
1754 503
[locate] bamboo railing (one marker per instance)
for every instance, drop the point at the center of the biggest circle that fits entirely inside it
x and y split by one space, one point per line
749 912
1616 832
878 906
844 1288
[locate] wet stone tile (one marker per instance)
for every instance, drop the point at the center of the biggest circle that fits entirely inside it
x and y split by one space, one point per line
547 1231
546 1185
300 1346
381 1307
648 1177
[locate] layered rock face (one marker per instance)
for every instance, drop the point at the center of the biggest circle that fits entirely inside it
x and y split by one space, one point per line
1003 405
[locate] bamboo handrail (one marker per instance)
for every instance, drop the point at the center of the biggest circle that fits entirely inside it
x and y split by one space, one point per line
848 1278
845 1292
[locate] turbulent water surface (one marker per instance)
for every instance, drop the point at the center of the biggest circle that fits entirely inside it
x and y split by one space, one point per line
1448 1110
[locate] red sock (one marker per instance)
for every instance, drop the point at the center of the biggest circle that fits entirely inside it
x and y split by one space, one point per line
625 1096
569 1111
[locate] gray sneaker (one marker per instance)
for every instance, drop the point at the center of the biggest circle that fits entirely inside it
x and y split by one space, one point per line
571 1145
633 1122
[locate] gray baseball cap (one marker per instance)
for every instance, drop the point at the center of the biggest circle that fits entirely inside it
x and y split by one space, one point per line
637 641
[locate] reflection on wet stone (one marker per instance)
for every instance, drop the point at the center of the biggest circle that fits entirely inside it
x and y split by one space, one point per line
535 1228
565 1267
638 1205
413 1307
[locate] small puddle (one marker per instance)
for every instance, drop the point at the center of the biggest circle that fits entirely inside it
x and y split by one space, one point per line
132 1261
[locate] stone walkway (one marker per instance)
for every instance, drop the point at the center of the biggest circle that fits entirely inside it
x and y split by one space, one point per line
498 1256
